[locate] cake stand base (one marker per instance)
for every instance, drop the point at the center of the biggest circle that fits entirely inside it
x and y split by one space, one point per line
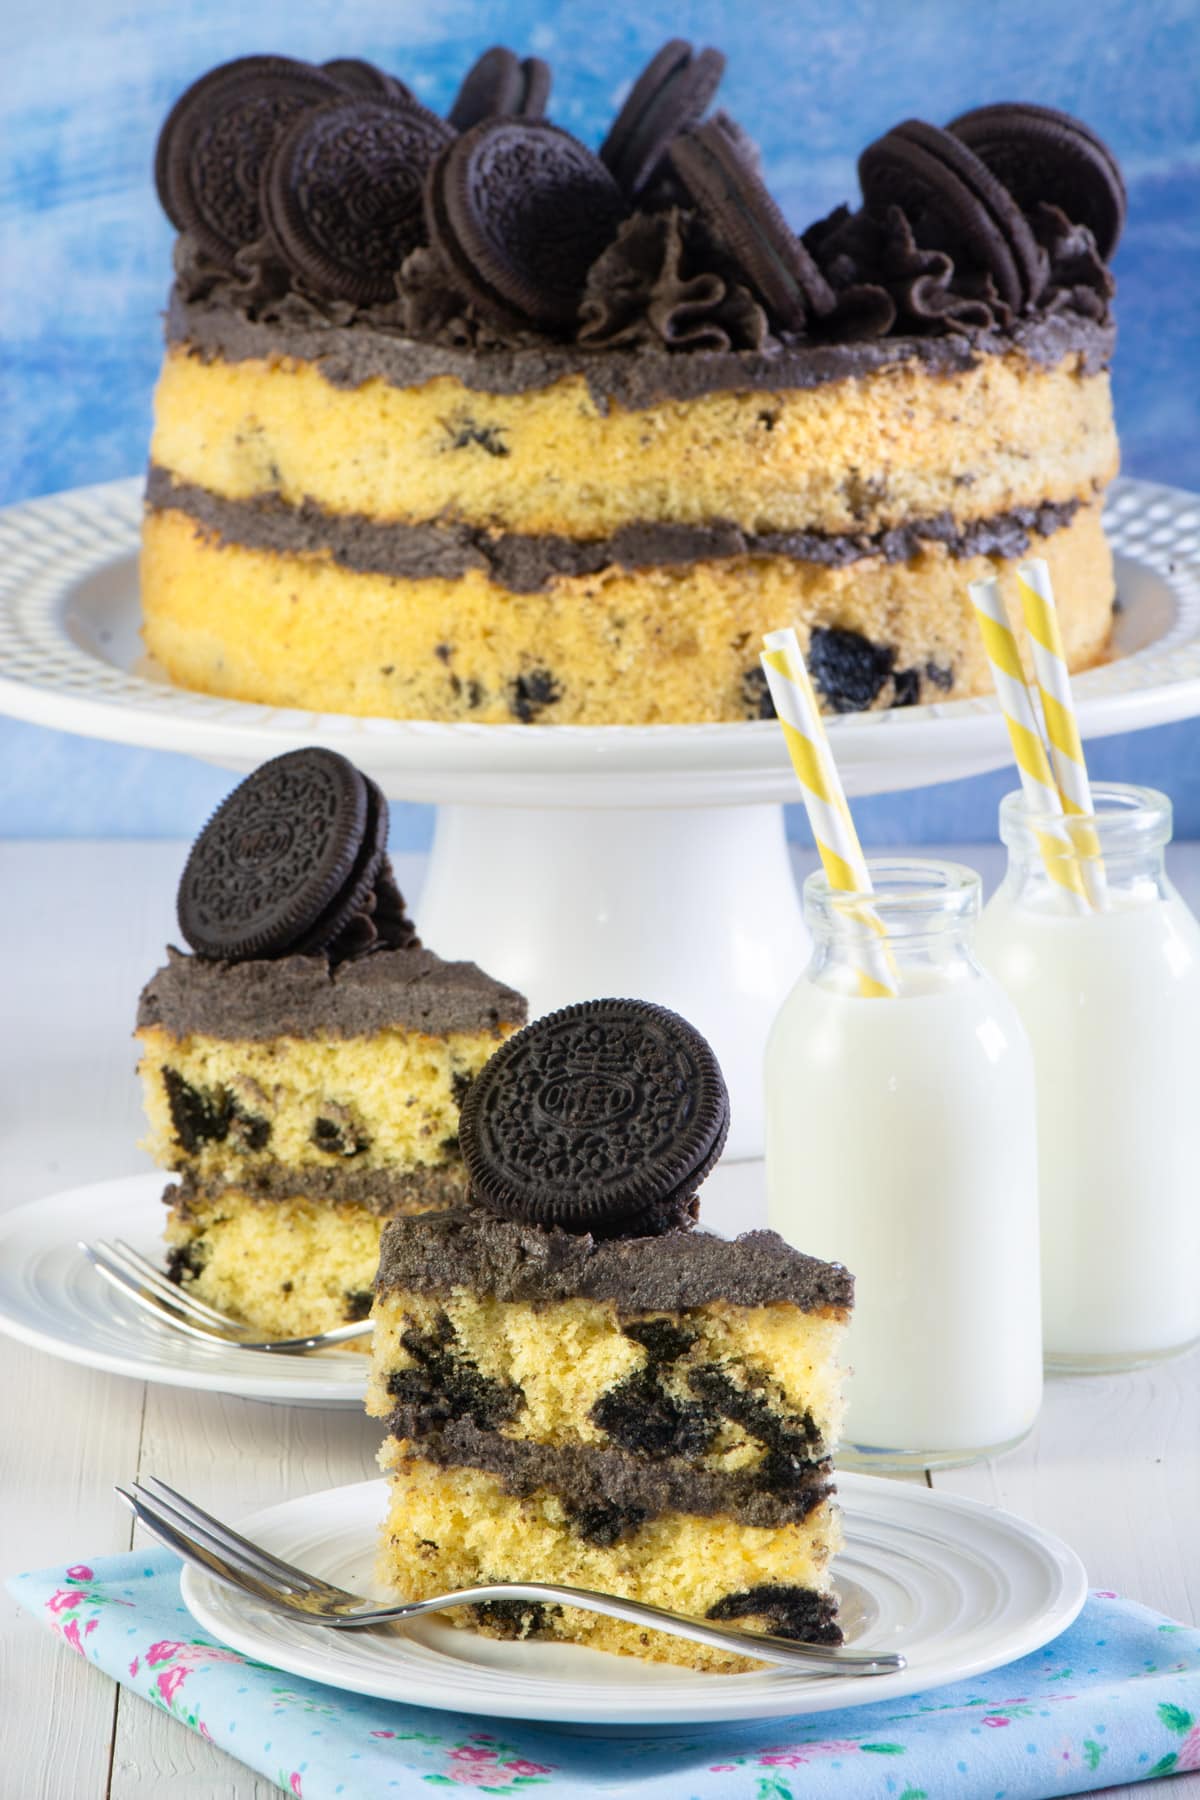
694 907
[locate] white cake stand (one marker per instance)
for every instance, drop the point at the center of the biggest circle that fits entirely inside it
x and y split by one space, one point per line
575 861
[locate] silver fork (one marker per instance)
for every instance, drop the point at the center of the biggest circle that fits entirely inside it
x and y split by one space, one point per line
149 1288
199 1538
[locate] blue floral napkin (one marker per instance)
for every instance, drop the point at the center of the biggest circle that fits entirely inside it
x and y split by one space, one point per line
1114 1699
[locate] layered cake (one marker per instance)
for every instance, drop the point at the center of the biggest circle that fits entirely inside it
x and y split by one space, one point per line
581 1387
304 1064
460 420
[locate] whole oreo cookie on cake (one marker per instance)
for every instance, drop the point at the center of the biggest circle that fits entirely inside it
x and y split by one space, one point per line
556 435
304 1065
580 1387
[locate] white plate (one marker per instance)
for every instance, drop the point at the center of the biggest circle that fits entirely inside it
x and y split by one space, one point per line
71 657
52 1298
957 1586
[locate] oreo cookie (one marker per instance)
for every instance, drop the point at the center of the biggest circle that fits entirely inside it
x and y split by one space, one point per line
217 139
294 862
519 212
1041 154
602 1118
501 84
342 193
714 167
359 77
954 203
671 95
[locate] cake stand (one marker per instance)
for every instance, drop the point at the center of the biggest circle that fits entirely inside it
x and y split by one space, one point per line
575 861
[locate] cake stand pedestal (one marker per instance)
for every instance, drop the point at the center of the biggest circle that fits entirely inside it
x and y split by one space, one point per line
694 907
576 861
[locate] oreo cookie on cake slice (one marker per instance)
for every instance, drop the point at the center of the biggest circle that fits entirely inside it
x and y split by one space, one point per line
715 165
217 139
343 193
1046 157
501 83
287 862
954 203
303 1069
580 1387
519 211
603 1118
670 96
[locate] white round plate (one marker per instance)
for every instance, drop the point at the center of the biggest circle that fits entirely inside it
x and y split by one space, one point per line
957 1586
71 657
52 1299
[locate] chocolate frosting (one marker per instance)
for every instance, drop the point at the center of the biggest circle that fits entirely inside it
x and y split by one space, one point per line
655 287
590 1475
304 997
528 563
864 253
384 1192
664 283
512 1261
347 356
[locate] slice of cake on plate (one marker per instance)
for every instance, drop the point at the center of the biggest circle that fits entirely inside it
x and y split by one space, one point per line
581 1387
304 1065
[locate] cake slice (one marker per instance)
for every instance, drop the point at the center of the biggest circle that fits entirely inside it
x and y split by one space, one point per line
639 1407
303 1069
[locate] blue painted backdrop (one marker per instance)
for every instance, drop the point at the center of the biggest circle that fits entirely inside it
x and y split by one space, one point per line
85 250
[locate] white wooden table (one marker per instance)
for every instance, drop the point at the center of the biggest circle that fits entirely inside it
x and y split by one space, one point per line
1114 1466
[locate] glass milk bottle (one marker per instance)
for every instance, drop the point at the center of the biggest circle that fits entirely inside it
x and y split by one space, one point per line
901 1141
1110 999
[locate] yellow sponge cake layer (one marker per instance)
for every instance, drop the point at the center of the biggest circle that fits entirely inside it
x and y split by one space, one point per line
859 455
294 1076
226 1110
448 1528
573 1362
647 645
287 1265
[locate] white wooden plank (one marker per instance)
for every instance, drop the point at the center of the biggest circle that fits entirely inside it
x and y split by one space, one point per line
1113 1467
232 1456
68 1436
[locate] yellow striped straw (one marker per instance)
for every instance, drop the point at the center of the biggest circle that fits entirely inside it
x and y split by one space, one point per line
1033 765
1058 711
825 800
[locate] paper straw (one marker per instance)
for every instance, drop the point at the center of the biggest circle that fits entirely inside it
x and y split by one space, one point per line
1058 711
825 801
1033 764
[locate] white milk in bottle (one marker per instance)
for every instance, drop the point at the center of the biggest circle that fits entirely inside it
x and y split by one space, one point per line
901 1142
1110 998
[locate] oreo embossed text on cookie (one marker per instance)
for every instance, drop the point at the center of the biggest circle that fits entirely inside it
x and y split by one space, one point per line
602 1118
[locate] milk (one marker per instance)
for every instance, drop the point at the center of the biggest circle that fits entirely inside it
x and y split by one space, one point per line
901 1142
1111 1004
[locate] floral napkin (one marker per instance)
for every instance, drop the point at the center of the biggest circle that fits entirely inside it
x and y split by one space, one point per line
1114 1699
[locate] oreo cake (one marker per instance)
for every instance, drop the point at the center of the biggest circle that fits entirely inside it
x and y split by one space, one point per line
581 1387
303 1067
459 420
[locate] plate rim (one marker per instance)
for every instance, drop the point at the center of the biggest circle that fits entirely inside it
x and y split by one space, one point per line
284 1389
718 1704
155 715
